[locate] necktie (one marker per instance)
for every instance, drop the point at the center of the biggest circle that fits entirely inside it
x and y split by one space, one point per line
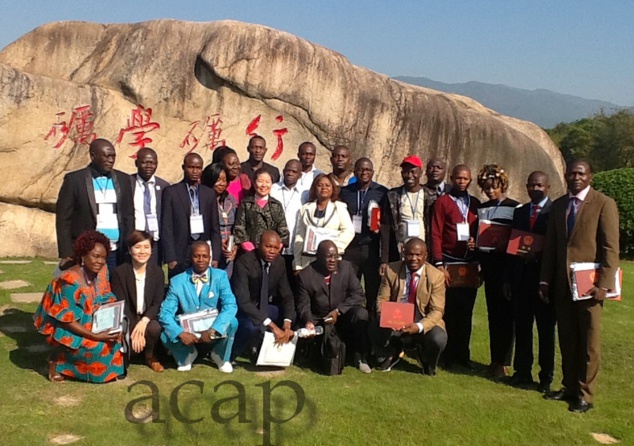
534 214
200 278
147 204
264 289
413 287
571 215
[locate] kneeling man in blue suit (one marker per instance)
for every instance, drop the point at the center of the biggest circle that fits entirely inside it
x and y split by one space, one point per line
199 288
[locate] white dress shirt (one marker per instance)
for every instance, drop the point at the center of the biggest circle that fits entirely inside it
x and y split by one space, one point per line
292 200
139 198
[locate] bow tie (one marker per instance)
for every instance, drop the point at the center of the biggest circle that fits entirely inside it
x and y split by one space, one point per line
200 278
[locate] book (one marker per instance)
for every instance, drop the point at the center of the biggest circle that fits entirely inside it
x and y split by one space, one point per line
375 219
108 317
276 355
493 235
315 235
522 242
200 321
584 278
396 315
464 275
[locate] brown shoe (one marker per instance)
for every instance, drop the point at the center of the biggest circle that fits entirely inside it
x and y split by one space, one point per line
154 364
497 370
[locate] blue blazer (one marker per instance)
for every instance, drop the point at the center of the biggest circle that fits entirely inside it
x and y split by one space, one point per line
182 299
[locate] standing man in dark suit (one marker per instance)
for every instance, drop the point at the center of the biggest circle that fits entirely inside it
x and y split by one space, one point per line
330 293
189 213
584 227
95 198
265 300
522 287
434 188
147 191
257 149
363 252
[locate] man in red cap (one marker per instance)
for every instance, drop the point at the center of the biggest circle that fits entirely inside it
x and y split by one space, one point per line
402 212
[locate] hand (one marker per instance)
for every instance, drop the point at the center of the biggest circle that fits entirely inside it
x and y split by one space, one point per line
410 329
138 336
280 335
214 264
333 315
231 255
287 330
65 263
106 336
172 264
207 335
310 326
471 244
506 291
543 294
382 269
443 270
188 338
598 293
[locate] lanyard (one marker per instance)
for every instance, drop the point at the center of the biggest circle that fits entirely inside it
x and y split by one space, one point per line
193 199
286 203
463 211
414 207
361 200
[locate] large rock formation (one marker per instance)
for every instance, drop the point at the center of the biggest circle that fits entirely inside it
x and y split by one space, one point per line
179 86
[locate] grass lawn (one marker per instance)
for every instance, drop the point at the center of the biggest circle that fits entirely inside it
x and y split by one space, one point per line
401 407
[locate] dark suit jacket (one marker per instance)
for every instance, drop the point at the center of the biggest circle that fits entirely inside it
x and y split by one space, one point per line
350 196
246 283
519 271
123 283
315 299
76 209
595 238
175 229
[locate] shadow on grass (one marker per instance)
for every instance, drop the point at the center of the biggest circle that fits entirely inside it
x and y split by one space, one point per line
32 351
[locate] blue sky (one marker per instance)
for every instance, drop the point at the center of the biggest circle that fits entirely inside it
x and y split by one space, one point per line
583 47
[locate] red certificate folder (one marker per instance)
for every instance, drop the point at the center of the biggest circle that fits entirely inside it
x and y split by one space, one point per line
463 275
491 235
396 315
375 219
584 278
522 242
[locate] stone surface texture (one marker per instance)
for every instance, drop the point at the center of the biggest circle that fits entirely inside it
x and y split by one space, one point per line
178 86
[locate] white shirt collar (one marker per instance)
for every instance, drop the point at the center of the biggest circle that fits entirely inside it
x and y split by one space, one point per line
581 196
541 204
152 179
419 272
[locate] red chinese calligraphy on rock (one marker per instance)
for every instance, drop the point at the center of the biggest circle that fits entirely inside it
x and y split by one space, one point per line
280 139
253 125
139 125
79 128
208 134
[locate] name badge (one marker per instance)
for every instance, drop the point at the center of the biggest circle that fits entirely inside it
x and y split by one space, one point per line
462 230
196 224
357 222
107 221
106 208
413 228
152 222
108 196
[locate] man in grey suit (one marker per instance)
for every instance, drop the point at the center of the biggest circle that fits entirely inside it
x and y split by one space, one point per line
147 191
583 227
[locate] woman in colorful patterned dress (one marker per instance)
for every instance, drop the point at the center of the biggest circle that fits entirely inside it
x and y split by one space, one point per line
65 316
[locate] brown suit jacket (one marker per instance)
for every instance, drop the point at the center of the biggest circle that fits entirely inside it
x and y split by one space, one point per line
430 295
594 238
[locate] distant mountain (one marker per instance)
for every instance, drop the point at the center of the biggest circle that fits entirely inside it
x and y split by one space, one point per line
543 107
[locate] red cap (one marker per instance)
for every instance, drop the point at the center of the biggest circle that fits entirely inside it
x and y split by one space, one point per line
413 160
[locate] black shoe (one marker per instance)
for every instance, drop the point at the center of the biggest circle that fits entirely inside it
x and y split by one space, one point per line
389 363
468 365
579 406
559 395
543 388
520 380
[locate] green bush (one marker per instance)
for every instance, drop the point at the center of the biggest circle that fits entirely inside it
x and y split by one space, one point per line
619 184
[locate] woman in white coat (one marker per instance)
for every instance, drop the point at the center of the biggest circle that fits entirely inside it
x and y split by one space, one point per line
323 217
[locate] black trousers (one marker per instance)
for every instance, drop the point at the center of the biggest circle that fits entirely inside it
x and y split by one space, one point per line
352 327
430 344
292 280
365 260
528 308
152 335
499 309
459 303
